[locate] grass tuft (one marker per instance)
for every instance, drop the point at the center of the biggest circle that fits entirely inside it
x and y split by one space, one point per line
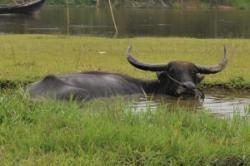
110 133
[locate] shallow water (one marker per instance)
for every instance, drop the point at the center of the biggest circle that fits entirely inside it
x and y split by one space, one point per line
218 103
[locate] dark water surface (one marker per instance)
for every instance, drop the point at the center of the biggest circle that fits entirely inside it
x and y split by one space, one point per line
131 22
219 103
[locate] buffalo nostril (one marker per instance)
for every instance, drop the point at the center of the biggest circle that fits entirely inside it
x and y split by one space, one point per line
199 94
189 85
180 90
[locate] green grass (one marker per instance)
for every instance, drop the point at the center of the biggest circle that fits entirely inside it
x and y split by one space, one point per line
110 133
29 57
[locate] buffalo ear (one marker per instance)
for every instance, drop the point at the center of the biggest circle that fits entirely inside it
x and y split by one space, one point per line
162 75
159 74
199 77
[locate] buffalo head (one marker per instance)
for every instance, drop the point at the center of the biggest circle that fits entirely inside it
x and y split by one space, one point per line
178 77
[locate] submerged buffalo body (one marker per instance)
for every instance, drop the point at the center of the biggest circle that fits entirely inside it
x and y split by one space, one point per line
175 78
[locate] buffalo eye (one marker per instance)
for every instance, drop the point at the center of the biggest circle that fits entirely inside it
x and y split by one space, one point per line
162 75
199 78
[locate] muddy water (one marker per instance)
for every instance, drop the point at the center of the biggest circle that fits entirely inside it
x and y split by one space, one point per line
218 103
130 22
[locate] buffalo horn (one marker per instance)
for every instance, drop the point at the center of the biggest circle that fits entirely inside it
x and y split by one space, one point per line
143 66
216 68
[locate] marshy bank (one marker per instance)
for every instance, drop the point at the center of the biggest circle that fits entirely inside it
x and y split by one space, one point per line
109 132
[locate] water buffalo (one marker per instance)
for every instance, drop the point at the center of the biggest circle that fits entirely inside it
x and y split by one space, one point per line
175 78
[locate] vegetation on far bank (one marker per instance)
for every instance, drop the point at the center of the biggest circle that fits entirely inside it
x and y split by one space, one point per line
30 57
176 4
110 133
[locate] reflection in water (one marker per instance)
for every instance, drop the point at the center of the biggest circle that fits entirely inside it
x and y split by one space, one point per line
221 104
226 106
130 22
15 23
226 103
